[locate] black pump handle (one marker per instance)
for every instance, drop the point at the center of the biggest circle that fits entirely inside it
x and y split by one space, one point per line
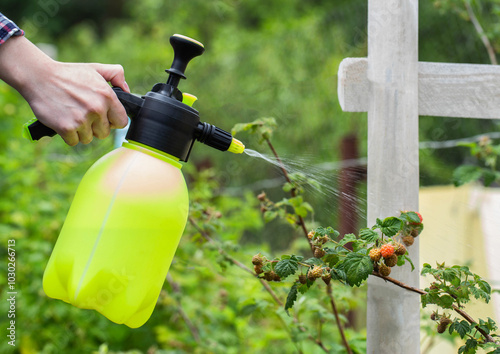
185 49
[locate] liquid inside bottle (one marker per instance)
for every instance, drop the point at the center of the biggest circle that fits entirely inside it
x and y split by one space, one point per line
120 235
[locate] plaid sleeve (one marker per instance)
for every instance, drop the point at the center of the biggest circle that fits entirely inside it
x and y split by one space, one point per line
8 29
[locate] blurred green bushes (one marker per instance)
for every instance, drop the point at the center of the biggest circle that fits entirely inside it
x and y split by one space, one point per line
263 59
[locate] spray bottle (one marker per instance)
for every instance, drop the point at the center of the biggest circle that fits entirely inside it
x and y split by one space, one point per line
131 207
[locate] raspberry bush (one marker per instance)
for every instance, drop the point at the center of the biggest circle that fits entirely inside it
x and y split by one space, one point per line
350 259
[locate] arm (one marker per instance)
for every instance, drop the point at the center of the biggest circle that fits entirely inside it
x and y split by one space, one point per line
73 99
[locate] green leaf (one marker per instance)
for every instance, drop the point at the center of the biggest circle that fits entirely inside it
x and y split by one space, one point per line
391 225
411 217
292 296
483 285
445 301
270 215
465 174
338 274
369 235
286 267
489 176
262 126
411 262
461 327
357 268
347 238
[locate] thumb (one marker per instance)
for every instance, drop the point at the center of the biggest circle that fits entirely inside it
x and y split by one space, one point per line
112 73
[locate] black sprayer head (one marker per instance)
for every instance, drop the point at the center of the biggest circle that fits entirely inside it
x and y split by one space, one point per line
164 119
165 122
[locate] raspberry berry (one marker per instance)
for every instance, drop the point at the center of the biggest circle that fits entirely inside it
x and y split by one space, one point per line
319 252
310 235
400 249
443 323
408 240
257 259
384 270
387 250
375 254
315 273
302 278
326 278
258 268
391 261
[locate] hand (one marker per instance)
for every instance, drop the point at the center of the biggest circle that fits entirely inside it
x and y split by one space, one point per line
73 99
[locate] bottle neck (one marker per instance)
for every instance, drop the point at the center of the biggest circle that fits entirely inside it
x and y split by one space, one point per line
133 145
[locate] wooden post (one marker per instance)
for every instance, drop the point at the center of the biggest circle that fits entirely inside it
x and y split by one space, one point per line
393 319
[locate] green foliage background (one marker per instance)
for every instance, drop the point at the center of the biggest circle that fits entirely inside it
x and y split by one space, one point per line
263 59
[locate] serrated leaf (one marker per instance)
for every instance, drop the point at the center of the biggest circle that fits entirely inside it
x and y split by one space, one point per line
313 261
338 274
347 238
483 285
465 174
331 259
461 327
286 267
290 299
391 225
357 268
445 301
411 217
369 235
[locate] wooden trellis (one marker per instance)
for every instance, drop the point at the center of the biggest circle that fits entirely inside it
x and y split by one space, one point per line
394 88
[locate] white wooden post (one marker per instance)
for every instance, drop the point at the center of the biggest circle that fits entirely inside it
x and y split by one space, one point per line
394 88
393 319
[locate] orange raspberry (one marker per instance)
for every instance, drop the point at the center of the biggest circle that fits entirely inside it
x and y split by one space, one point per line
387 250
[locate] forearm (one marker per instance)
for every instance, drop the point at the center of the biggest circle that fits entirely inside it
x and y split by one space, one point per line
20 62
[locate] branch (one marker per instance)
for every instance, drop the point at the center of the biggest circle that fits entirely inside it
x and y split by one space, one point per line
337 318
480 32
461 312
192 328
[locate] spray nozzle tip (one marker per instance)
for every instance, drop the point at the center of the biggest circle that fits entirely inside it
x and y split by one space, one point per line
236 146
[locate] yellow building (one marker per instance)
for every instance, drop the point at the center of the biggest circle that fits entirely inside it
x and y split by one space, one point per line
462 227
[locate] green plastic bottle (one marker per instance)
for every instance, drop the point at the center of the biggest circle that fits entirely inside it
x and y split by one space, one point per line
115 249
131 207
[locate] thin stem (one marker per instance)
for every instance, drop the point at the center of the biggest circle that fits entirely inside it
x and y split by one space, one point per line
292 192
192 328
337 318
481 33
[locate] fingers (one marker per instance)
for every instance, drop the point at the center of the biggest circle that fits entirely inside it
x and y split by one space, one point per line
89 105
113 74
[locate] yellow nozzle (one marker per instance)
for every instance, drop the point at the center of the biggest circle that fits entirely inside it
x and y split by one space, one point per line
236 146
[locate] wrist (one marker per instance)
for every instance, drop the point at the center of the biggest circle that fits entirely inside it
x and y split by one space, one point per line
21 62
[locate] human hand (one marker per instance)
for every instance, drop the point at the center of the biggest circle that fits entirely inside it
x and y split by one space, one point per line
74 99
